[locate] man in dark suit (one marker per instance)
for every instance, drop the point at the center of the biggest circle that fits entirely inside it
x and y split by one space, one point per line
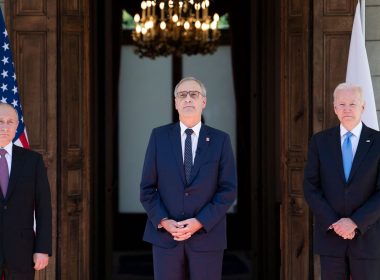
342 188
25 192
188 184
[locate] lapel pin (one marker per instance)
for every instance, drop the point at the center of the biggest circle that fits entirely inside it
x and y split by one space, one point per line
207 139
368 141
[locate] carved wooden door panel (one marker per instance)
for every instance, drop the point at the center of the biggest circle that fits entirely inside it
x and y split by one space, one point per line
295 127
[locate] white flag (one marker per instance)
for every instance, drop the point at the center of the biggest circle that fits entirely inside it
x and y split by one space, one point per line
358 71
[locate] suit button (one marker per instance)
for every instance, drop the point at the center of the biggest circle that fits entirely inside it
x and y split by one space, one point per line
187 194
5 207
183 213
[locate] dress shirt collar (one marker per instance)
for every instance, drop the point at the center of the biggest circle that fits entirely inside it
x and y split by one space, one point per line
196 128
9 148
355 131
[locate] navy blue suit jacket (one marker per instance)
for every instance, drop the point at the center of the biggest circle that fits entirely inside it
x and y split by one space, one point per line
209 194
330 197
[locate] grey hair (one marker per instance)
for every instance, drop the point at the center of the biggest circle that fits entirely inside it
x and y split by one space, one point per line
10 106
203 88
349 86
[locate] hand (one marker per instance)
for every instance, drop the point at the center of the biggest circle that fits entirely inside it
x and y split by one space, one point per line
186 228
350 236
40 260
345 228
169 225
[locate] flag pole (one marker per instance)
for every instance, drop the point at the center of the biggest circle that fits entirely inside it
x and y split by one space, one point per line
362 16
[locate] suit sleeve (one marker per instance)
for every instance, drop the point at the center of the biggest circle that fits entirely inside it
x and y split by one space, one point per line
323 212
225 193
369 213
149 196
43 212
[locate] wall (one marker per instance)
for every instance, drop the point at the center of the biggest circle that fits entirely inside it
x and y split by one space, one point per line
372 37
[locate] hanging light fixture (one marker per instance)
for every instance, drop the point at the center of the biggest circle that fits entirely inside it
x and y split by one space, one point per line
175 27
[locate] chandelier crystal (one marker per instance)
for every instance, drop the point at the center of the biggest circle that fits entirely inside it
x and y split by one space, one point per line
175 27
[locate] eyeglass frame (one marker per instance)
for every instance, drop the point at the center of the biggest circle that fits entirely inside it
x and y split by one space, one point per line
189 93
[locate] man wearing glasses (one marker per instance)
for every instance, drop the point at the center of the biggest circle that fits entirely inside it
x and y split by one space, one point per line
188 184
342 188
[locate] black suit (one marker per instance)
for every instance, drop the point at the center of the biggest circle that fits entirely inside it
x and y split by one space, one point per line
28 191
330 197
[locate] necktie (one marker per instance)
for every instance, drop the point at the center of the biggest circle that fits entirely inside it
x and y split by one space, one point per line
4 173
188 158
347 155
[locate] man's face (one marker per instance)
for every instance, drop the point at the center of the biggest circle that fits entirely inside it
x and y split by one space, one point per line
189 101
348 107
8 125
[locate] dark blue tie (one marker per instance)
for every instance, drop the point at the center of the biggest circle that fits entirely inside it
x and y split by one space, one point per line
347 155
188 159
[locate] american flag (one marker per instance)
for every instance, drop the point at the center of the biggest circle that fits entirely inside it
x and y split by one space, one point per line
8 84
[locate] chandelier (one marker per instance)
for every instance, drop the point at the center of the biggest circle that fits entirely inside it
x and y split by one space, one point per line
175 27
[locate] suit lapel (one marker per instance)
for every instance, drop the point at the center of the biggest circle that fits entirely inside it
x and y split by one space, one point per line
15 170
201 151
365 142
175 139
337 150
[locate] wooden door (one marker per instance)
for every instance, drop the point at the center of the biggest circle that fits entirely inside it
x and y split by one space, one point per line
32 29
315 40
50 41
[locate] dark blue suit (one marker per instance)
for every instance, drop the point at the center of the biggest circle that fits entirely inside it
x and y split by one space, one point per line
330 197
209 194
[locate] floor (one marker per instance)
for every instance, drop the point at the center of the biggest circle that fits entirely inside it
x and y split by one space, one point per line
138 266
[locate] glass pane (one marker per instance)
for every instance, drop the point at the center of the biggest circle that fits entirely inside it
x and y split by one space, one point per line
215 71
145 102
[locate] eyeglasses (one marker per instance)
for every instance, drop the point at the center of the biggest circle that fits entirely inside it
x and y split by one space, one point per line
192 93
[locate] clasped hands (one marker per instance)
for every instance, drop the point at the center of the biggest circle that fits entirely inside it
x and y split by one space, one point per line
345 228
181 230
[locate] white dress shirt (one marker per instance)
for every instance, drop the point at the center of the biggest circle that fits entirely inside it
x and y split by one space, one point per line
194 138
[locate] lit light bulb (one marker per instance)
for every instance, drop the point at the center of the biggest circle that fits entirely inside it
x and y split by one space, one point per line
216 17
214 24
162 5
138 28
198 24
149 24
148 4
136 18
162 25
186 25
175 18
205 26
143 5
143 30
